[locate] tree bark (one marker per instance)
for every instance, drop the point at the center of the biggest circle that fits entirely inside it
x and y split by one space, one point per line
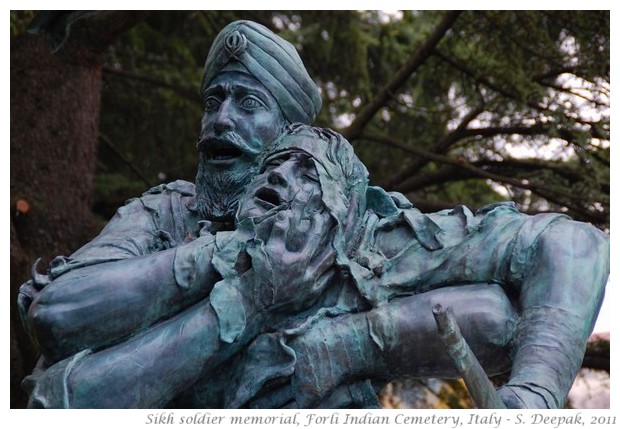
55 101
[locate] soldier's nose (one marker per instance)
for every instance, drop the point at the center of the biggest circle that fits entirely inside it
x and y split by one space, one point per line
277 179
223 121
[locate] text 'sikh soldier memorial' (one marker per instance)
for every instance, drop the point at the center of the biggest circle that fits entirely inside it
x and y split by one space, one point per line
282 279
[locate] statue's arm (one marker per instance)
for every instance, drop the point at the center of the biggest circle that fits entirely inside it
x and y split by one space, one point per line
149 369
395 340
555 268
122 281
153 367
97 305
561 287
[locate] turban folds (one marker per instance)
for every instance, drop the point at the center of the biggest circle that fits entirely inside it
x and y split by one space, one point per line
272 61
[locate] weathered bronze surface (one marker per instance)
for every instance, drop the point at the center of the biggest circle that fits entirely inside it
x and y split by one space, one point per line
281 279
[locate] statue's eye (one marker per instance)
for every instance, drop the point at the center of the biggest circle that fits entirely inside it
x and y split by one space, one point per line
309 169
212 103
312 177
250 103
277 160
274 162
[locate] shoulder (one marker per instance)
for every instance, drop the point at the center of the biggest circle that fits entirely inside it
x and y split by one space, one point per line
180 194
563 234
180 187
158 200
160 208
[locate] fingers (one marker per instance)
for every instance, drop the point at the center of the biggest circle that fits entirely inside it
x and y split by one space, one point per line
313 247
29 290
24 300
319 231
301 199
323 261
320 243
301 222
277 238
296 226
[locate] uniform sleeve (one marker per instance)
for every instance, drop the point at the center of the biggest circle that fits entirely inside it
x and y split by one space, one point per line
420 252
162 218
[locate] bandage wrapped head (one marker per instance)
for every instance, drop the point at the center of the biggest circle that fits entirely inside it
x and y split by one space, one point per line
272 61
342 176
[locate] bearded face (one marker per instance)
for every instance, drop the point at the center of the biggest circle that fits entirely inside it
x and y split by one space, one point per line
218 190
241 118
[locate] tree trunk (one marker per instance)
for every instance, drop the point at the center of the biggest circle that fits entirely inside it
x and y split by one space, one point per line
55 101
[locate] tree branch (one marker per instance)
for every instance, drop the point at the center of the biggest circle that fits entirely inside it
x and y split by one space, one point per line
555 73
478 172
444 175
597 355
574 94
440 145
183 92
599 158
496 131
572 174
411 65
96 29
502 91
461 133
474 75
122 157
453 174
548 193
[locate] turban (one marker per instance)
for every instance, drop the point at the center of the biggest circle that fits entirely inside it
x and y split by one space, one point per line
272 61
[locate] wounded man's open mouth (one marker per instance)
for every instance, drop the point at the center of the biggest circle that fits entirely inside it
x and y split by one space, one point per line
269 197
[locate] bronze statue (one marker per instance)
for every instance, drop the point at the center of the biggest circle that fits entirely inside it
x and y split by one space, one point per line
273 267
345 301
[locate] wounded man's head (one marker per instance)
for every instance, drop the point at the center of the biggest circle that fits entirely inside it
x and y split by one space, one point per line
310 169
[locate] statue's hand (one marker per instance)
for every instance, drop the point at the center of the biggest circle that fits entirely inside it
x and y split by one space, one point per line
304 373
333 360
28 292
297 256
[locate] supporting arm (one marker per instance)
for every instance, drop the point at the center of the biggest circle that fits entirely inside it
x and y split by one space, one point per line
100 304
147 370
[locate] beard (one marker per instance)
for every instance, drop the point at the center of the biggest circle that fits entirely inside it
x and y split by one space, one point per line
218 191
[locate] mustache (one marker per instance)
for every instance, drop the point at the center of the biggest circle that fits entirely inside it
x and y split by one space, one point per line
225 139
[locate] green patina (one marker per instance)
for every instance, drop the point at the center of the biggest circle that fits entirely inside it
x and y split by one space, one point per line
283 279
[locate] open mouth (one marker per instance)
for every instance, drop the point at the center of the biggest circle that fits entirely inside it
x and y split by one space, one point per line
222 152
268 197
